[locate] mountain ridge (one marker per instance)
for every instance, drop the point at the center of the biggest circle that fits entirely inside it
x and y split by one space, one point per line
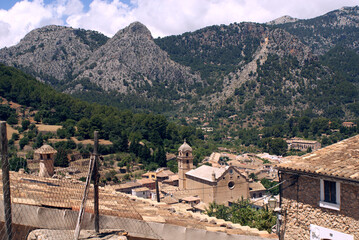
248 69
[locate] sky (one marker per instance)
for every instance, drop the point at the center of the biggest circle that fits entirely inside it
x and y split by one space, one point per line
162 17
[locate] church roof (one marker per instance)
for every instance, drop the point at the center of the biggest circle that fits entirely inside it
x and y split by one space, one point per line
205 172
45 149
185 148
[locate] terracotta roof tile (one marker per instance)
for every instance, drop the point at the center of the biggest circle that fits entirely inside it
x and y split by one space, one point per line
338 160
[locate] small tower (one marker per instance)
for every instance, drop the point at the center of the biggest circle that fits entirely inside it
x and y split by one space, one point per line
185 163
46 156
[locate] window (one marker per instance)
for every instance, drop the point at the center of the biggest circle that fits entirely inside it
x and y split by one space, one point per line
329 194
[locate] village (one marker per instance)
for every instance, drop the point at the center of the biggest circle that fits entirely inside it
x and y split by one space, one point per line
185 191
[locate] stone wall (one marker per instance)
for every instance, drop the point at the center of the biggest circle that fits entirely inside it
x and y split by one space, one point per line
300 207
219 191
225 194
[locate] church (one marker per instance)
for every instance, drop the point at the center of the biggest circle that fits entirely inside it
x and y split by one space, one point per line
223 185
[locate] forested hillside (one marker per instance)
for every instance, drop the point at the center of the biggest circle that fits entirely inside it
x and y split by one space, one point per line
124 129
245 69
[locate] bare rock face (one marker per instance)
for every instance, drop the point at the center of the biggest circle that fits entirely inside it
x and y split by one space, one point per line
131 60
71 58
233 65
324 32
283 19
51 52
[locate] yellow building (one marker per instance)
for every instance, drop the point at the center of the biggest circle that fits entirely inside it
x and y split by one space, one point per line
223 185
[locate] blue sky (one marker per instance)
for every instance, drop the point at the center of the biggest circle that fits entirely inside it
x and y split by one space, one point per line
162 17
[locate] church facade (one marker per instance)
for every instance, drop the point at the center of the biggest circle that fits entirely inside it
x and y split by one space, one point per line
223 185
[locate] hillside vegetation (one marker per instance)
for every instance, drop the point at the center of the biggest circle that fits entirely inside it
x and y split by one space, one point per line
132 133
246 69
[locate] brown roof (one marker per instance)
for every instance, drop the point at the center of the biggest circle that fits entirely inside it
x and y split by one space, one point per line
145 181
202 206
299 140
67 194
169 200
141 189
164 173
256 186
45 149
191 199
340 160
128 185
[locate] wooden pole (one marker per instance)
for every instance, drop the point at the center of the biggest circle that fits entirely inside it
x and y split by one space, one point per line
5 180
157 191
84 199
96 180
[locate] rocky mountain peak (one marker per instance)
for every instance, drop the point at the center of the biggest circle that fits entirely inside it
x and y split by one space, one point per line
134 29
282 20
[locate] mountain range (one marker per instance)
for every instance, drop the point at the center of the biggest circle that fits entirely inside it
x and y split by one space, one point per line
246 69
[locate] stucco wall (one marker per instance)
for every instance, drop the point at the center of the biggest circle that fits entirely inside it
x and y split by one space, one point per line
219 191
300 206
223 193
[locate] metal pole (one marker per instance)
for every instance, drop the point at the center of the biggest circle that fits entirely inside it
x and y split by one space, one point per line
157 191
6 180
96 180
84 199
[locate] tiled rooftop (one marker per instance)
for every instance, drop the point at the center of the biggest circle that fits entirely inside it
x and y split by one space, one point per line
29 190
205 172
340 160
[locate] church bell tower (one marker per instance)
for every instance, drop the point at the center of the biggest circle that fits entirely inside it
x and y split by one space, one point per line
185 163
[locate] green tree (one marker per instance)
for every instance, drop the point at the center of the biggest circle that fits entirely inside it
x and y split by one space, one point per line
159 157
275 146
23 142
61 159
39 141
15 136
25 124
268 184
84 128
16 163
12 120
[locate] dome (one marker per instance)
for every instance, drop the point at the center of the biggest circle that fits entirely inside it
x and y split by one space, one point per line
45 149
185 147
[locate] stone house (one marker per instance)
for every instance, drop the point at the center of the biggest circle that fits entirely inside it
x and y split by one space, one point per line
302 144
348 124
127 187
320 193
145 182
141 192
191 200
257 190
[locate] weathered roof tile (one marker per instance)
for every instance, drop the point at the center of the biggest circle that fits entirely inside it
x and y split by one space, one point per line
338 160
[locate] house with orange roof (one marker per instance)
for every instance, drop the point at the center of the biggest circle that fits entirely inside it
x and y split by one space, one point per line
320 193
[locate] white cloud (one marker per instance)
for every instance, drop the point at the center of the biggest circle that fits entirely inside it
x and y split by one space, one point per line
162 17
104 17
167 17
26 15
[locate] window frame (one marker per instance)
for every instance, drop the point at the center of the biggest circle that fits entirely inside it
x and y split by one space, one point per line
323 203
